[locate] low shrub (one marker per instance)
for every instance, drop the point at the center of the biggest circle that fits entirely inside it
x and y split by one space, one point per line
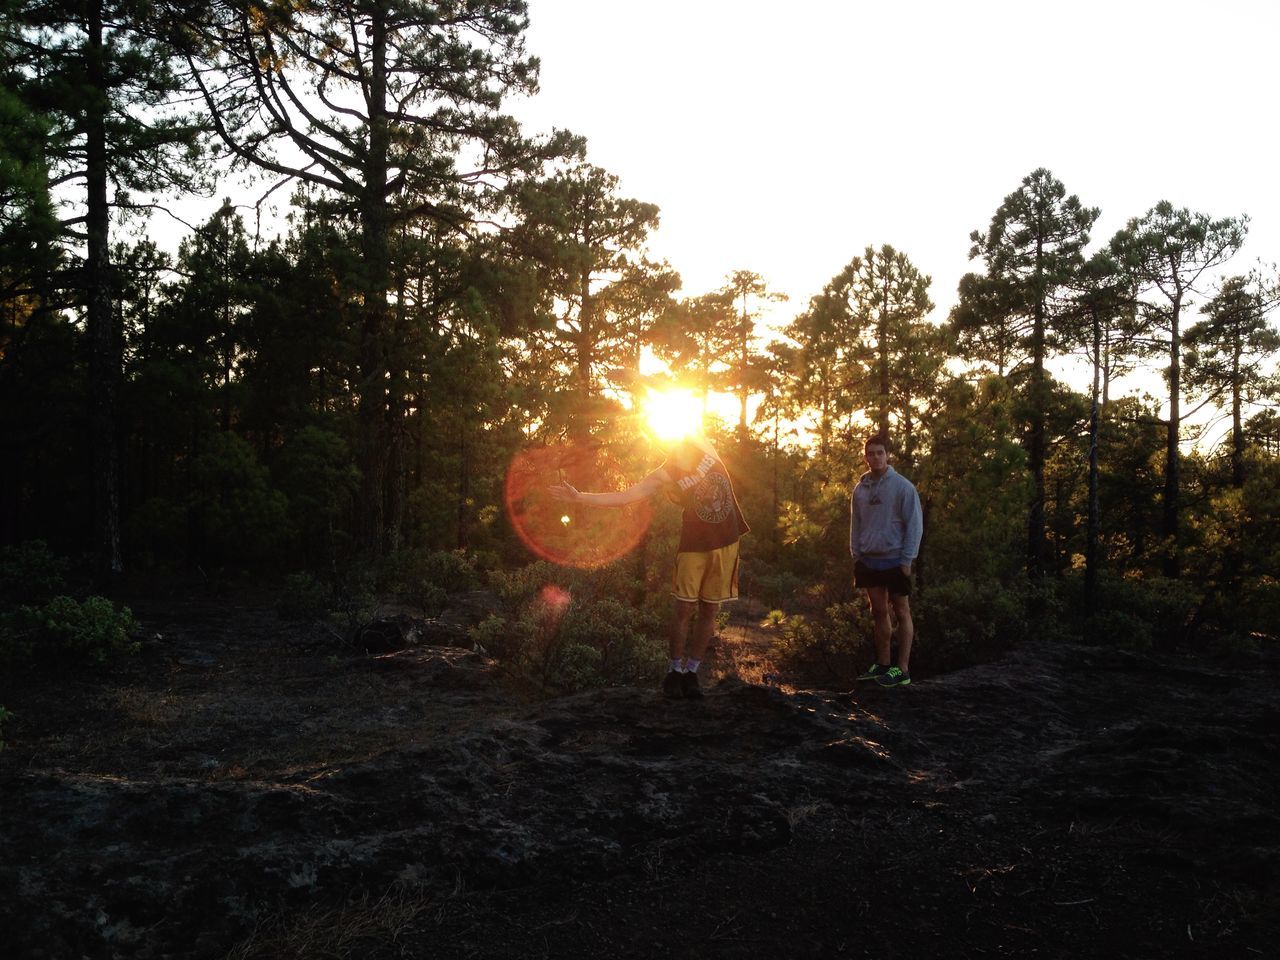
773 589
30 573
345 604
1122 628
957 624
1142 613
1260 605
303 597
839 640
962 622
562 630
92 630
426 578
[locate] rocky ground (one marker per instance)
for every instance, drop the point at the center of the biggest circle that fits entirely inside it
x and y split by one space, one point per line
244 788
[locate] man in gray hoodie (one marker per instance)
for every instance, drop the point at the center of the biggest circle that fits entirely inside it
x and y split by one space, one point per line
885 527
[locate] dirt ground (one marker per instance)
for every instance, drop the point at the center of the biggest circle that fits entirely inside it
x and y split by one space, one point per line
245 788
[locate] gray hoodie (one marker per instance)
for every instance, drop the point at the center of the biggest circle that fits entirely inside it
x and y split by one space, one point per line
885 521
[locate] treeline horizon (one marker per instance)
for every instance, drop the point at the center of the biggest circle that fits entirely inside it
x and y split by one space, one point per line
452 290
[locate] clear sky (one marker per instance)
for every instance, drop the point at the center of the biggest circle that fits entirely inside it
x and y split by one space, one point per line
785 138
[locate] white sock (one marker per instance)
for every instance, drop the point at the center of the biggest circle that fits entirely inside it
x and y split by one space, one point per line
691 665
678 665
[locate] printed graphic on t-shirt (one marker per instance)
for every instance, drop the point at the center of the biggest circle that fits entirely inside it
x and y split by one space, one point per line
699 473
713 500
709 492
712 518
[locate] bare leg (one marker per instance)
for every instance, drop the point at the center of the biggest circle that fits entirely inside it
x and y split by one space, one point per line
906 631
680 627
703 629
882 626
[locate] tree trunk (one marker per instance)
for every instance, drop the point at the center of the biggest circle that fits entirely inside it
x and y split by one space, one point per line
773 532
1237 429
1169 531
104 345
1036 444
882 350
396 429
1091 533
743 391
463 539
579 425
374 217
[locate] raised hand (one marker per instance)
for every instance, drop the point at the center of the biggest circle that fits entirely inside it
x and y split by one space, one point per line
564 491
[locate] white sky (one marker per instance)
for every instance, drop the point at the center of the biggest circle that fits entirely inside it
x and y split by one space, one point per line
785 138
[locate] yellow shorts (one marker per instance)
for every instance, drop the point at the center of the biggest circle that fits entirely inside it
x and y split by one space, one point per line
711 577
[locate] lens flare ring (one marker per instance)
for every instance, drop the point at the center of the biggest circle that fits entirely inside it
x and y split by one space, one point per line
574 534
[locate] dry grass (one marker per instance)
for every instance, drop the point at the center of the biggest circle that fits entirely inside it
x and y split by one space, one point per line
800 812
145 708
745 653
338 933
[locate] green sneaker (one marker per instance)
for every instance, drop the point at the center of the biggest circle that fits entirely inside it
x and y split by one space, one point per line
873 672
894 677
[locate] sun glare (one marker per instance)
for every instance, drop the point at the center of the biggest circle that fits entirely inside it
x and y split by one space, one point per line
672 414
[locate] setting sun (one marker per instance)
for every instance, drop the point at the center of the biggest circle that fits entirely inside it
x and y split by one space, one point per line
672 414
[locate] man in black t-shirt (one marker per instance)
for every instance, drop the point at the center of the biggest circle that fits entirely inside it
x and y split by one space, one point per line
706 573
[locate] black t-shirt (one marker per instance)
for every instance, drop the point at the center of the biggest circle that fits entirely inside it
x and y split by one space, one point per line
712 518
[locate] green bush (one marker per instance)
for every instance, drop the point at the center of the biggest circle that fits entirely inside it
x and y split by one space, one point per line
158 532
314 471
962 622
558 631
515 589
628 640
773 589
426 578
239 514
1260 605
303 597
1122 628
577 667
346 602
30 573
796 635
957 623
838 640
91 630
5 717
1156 611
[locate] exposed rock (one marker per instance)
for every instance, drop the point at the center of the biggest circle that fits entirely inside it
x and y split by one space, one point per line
1057 802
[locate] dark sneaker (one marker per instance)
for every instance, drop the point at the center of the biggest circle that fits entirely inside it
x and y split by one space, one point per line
873 672
689 682
894 677
673 685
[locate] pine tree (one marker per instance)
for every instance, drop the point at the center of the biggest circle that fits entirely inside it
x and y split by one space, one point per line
1167 252
395 109
1032 248
1229 353
107 86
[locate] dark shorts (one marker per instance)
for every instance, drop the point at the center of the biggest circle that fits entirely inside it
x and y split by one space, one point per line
899 583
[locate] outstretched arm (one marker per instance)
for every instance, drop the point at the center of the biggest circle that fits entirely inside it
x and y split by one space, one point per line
641 491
